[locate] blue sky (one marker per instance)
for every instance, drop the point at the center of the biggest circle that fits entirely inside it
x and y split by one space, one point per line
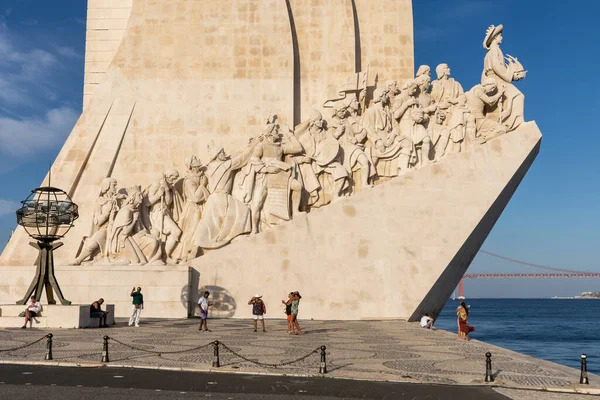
551 220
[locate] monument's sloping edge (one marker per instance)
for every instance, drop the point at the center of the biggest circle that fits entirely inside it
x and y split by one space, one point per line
380 253
436 298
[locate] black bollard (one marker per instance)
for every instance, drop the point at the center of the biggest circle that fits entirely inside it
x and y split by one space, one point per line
216 363
583 379
489 377
105 357
49 347
323 369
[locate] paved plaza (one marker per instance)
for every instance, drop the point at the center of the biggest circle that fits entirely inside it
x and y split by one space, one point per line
365 350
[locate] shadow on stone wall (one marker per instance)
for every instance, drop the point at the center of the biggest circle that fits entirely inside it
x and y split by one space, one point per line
224 304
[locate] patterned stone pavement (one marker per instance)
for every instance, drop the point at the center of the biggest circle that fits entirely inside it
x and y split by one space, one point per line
369 350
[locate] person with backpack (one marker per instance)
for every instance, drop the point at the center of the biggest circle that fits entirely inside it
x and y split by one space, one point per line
258 310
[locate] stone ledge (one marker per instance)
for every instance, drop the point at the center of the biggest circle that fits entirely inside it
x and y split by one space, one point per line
55 316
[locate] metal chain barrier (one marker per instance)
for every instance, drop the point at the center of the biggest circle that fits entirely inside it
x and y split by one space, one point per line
215 344
159 352
25 345
268 364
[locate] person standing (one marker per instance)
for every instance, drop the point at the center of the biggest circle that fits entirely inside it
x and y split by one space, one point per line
137 306
33 309
295 304
463 321
258 310
203 305
288 312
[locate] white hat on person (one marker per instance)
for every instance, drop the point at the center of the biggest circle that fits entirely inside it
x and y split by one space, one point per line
258 296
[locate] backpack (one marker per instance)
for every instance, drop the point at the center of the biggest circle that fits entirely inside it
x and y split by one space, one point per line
264 308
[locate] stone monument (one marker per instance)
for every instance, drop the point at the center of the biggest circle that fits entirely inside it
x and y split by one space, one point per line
307 166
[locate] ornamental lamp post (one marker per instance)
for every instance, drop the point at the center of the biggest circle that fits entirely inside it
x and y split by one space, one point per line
46 215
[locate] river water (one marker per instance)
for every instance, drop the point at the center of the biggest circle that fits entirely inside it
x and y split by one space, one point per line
557 330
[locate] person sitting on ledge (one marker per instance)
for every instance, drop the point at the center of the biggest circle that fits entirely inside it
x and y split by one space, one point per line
427 321
33 309
96 312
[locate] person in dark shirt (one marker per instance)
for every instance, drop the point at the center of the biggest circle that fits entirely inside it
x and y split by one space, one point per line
137 306
288 312
96 312
258 310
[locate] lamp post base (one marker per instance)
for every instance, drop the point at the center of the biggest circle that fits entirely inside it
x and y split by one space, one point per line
44 276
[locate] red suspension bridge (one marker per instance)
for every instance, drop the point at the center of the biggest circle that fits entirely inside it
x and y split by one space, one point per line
555 272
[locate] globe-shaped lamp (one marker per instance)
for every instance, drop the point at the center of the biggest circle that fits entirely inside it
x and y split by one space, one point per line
47 214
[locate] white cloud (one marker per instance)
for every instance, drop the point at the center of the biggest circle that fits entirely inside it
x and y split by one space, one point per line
8 207
30 64
68 52
22 138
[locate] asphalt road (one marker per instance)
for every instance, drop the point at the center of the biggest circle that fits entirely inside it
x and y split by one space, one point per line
30 382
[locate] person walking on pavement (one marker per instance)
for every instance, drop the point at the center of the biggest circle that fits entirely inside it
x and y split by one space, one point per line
203 305
258 310
137 306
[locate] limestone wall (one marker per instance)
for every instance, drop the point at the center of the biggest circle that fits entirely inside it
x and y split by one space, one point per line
105 28
166 290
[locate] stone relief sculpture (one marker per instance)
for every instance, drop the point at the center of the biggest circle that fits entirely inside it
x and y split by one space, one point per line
439 134
423 70
268 184
390 151
324 177
352 137
164 206
445 90
420 136
482 98
105 209
224 217
129 233
375 134
510 110
425 99
195 194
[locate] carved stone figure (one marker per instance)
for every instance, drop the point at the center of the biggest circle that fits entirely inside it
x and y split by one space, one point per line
164 206
266 183
481 98
195 194
406 101
511 106
461 126
321 160
352 136
423 70
105 209
355 109
224 216
392 100
390 151
129 233
439 134
420 136
445 90
426 101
